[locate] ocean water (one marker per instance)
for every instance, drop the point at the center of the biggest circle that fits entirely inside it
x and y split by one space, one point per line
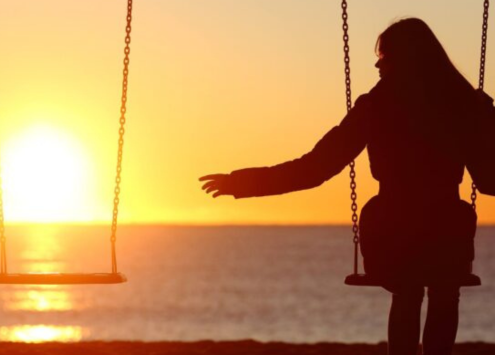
221 283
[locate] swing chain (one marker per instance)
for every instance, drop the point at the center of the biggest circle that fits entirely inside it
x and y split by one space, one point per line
347 59
484 37
122 121
352 173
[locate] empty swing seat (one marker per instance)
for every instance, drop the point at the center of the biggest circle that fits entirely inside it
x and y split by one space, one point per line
61 278
80 278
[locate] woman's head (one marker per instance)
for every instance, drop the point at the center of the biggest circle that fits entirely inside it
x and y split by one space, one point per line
410 52
410 47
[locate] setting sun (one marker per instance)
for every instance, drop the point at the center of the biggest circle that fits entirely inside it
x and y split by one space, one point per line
45 176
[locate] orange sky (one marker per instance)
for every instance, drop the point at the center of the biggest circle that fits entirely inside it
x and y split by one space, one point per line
215 86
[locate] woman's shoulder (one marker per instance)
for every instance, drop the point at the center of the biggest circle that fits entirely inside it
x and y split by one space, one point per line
384 87
381 89
378 93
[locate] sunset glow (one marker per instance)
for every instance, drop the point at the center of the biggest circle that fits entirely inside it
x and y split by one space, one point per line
41 333
214 86
45 176
41 299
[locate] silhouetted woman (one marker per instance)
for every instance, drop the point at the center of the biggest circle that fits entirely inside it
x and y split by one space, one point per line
416 123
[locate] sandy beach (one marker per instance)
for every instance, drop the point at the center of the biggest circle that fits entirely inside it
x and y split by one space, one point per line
218 348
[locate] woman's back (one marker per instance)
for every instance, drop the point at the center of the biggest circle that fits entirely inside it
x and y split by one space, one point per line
417 143
423 112
417 228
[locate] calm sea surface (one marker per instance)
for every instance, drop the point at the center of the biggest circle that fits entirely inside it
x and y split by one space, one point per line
221 283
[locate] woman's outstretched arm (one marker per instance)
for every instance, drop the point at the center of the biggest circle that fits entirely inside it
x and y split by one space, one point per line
331 154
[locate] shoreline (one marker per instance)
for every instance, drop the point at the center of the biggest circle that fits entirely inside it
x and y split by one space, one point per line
208 347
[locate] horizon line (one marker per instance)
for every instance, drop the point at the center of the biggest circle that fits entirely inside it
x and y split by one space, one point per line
193 224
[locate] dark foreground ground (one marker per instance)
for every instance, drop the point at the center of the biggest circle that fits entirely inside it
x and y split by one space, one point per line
217 348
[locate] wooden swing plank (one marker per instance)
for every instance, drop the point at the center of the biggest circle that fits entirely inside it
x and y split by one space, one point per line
367 280
62 279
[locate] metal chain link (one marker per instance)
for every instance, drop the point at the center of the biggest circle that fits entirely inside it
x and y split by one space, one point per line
352 173
122 121
484 37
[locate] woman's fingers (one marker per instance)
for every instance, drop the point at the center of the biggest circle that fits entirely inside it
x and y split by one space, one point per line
214 183
212 177
218 193
212 188
208 184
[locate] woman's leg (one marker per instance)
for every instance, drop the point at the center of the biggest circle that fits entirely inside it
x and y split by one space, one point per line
404 324
441 321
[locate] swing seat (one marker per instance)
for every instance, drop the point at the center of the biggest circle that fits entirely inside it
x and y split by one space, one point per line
367 280
62 279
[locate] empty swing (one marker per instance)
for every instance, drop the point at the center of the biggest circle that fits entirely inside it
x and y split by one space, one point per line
363 279
113 277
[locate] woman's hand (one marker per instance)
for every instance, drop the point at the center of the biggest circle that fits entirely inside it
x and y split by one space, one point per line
216 183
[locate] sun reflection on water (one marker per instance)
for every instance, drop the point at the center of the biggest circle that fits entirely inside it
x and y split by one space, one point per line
43 253
42 333
40 300
45 313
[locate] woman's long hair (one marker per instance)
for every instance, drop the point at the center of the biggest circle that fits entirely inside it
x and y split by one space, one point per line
416 54
437 96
